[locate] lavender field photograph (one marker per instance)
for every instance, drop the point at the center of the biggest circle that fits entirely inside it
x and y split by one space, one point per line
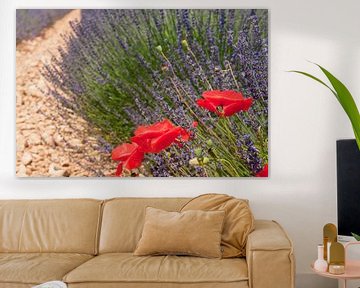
142 93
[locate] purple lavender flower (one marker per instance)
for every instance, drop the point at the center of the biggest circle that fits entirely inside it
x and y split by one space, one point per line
252 155
115 77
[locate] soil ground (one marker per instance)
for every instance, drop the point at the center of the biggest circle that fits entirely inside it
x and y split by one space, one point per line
46 145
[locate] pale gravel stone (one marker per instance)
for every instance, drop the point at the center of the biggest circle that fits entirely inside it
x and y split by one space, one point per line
21 172
21 143
27 158
34 139
59 141
48 138
54 171
41 131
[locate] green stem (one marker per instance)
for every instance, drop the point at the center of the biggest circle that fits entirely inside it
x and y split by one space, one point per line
230 165
233 76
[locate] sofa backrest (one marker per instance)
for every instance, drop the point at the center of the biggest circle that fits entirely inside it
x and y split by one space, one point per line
67 226
123 220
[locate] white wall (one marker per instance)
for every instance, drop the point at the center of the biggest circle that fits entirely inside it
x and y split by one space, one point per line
305 120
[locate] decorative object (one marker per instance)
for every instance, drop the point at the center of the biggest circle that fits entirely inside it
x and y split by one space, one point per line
344 97
320 264
329 236
146 93
327 249
351 268
336 269
194 233
337 258
239 220
52 284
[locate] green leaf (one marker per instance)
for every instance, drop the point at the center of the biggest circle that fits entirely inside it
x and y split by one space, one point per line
344 97
347 102
316 79
357 237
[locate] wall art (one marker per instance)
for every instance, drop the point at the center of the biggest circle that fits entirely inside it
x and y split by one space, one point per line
142 93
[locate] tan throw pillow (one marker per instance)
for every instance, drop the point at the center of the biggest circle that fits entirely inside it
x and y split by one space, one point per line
196 233
238 224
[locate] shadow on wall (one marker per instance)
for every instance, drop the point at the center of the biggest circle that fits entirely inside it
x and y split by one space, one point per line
326 34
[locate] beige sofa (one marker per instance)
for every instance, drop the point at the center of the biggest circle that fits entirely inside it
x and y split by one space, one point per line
89 243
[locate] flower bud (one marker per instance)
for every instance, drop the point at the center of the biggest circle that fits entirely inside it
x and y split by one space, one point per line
209 143
194 162
185 43
198 152
159 48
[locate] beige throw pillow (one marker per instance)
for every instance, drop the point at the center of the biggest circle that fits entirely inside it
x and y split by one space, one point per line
194 232
238 223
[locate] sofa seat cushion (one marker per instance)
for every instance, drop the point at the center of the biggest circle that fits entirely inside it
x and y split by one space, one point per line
127 268
36 268
242 284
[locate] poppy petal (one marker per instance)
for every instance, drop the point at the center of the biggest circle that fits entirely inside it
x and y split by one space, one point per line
220 98
123 151
119 170
156 137
185 135
264 172
229 96
154 130
135 160
247 103
206 104
144 143
165 140
214 97
238 106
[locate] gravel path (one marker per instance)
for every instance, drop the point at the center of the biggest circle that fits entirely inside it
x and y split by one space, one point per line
49 143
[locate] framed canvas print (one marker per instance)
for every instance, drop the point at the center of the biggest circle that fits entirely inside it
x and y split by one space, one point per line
142 93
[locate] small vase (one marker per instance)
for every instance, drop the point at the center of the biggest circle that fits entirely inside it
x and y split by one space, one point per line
320 264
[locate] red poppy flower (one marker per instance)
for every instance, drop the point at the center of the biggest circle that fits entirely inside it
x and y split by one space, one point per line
157 137
264 172
224 103
130 156
195 124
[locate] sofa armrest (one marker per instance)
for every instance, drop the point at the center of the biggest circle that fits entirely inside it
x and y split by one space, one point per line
269 256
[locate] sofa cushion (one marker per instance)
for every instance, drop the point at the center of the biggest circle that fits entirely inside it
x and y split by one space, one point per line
126 268
123 220
193 232
36 268
63 226
239 220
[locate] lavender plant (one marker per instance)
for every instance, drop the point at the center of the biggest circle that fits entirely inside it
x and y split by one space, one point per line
30 22
125 68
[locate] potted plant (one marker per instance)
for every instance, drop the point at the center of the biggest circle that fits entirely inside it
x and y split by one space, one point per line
346 100
344 97
356 236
